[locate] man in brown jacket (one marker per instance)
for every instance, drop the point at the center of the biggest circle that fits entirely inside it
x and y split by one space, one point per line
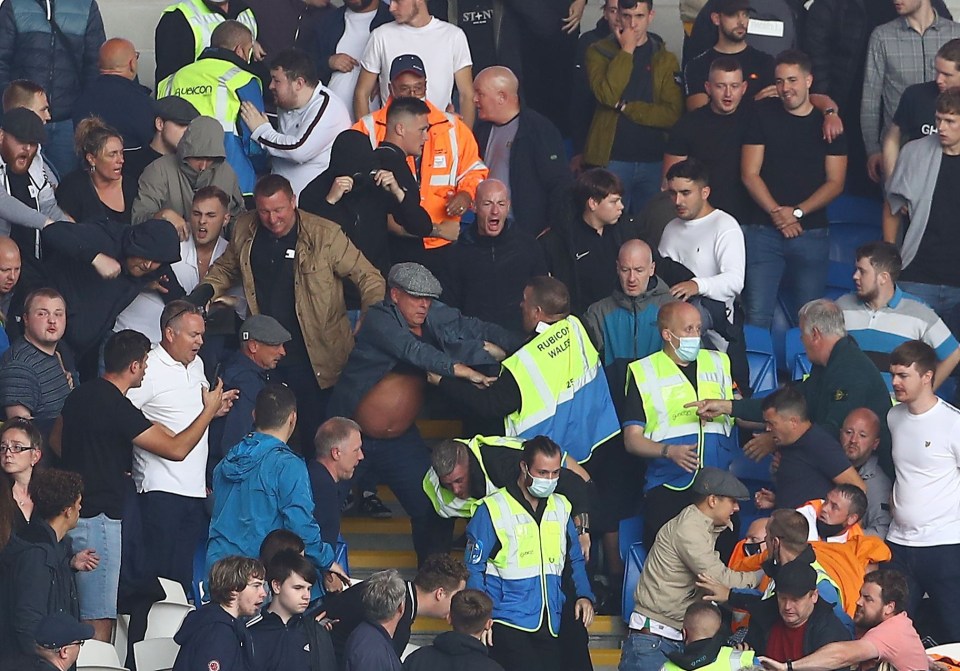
291 265
683 549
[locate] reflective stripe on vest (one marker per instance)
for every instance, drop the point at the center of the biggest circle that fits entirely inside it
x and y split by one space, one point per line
551 370
211 85
529 551
444 502
203 22
665 391
821 576
727 659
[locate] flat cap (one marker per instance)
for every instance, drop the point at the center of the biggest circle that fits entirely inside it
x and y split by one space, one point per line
265 329
718 482
24 125
796 578
415 280
60 629
175 109
407 63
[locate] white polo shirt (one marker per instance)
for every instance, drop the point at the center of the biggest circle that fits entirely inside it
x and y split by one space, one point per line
171 395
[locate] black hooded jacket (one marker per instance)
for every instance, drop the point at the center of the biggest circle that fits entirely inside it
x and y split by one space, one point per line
362 211
452 651
93 302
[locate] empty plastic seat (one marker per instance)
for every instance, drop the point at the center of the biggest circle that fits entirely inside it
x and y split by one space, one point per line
631 576
761 359
156 654
165 618
99 654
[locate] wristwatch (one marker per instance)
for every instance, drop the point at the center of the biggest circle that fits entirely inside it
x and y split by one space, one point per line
798 213
829 111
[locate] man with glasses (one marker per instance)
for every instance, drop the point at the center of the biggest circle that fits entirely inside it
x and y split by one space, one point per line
173 487
59 639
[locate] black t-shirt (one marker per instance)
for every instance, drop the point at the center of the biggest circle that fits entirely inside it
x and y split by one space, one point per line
326 502
595 258
794 157
273 262
634 142
633 405
808 468
936 258
476 21
916 111
757 71
715 140
99 425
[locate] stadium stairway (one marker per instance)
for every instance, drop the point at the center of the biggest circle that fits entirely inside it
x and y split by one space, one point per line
375 545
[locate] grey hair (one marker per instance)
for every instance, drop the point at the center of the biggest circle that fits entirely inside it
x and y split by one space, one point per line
332 433
446 456
383 594
823 315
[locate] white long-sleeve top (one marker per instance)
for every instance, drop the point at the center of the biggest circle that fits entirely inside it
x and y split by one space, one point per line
301 148
712 249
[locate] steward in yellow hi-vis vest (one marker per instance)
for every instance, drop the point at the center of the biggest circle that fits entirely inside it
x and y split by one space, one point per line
464 471
519 541
203 20
657 423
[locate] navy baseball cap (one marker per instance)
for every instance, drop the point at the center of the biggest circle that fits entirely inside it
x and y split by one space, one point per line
407 63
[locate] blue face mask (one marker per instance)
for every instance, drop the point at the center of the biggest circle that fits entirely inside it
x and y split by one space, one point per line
541 488
688 349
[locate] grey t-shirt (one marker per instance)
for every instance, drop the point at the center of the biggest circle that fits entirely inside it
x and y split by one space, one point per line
497 155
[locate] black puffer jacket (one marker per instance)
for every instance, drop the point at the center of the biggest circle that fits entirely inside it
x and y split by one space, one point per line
452 651
31 49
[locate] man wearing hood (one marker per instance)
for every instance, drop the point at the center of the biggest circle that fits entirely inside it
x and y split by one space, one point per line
262 485
169 183
217 84
358 191
100 268
493 261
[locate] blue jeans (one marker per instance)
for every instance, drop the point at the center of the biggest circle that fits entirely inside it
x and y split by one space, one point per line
641 182
944 300
98 588
794 268
936 571
400 463
59 149
646 652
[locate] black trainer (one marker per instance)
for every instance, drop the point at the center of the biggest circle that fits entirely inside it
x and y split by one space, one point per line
372 506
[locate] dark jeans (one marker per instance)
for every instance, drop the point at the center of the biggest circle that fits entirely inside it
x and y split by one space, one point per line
173 526
933 570
795 269
311 405
400 463
517 650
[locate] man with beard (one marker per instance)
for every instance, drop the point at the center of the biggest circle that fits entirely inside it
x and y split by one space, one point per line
731 18
880 315
888 635
860 438
836 517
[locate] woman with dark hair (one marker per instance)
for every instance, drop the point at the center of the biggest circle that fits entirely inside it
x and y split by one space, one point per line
97 190
20 451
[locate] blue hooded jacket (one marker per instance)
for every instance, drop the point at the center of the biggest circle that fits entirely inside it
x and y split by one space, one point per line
262 485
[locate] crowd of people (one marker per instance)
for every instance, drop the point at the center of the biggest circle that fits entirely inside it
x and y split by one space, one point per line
227 301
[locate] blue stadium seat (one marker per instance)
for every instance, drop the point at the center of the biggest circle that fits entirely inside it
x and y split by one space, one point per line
761 358
631 576
341 554
948 390
631 531
845 237
798 364
856 209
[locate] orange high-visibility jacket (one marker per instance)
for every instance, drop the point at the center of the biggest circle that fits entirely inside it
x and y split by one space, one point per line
450 163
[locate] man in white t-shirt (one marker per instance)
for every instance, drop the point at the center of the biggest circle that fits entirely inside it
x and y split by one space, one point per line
172 493
441 46
708 243
341 40
924 536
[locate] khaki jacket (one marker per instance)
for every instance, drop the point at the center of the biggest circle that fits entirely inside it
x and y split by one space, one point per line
324 256
684 548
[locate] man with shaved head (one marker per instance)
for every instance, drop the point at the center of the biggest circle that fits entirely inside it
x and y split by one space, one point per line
659 427
9 273
493 261
116 97
522 148
860 437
